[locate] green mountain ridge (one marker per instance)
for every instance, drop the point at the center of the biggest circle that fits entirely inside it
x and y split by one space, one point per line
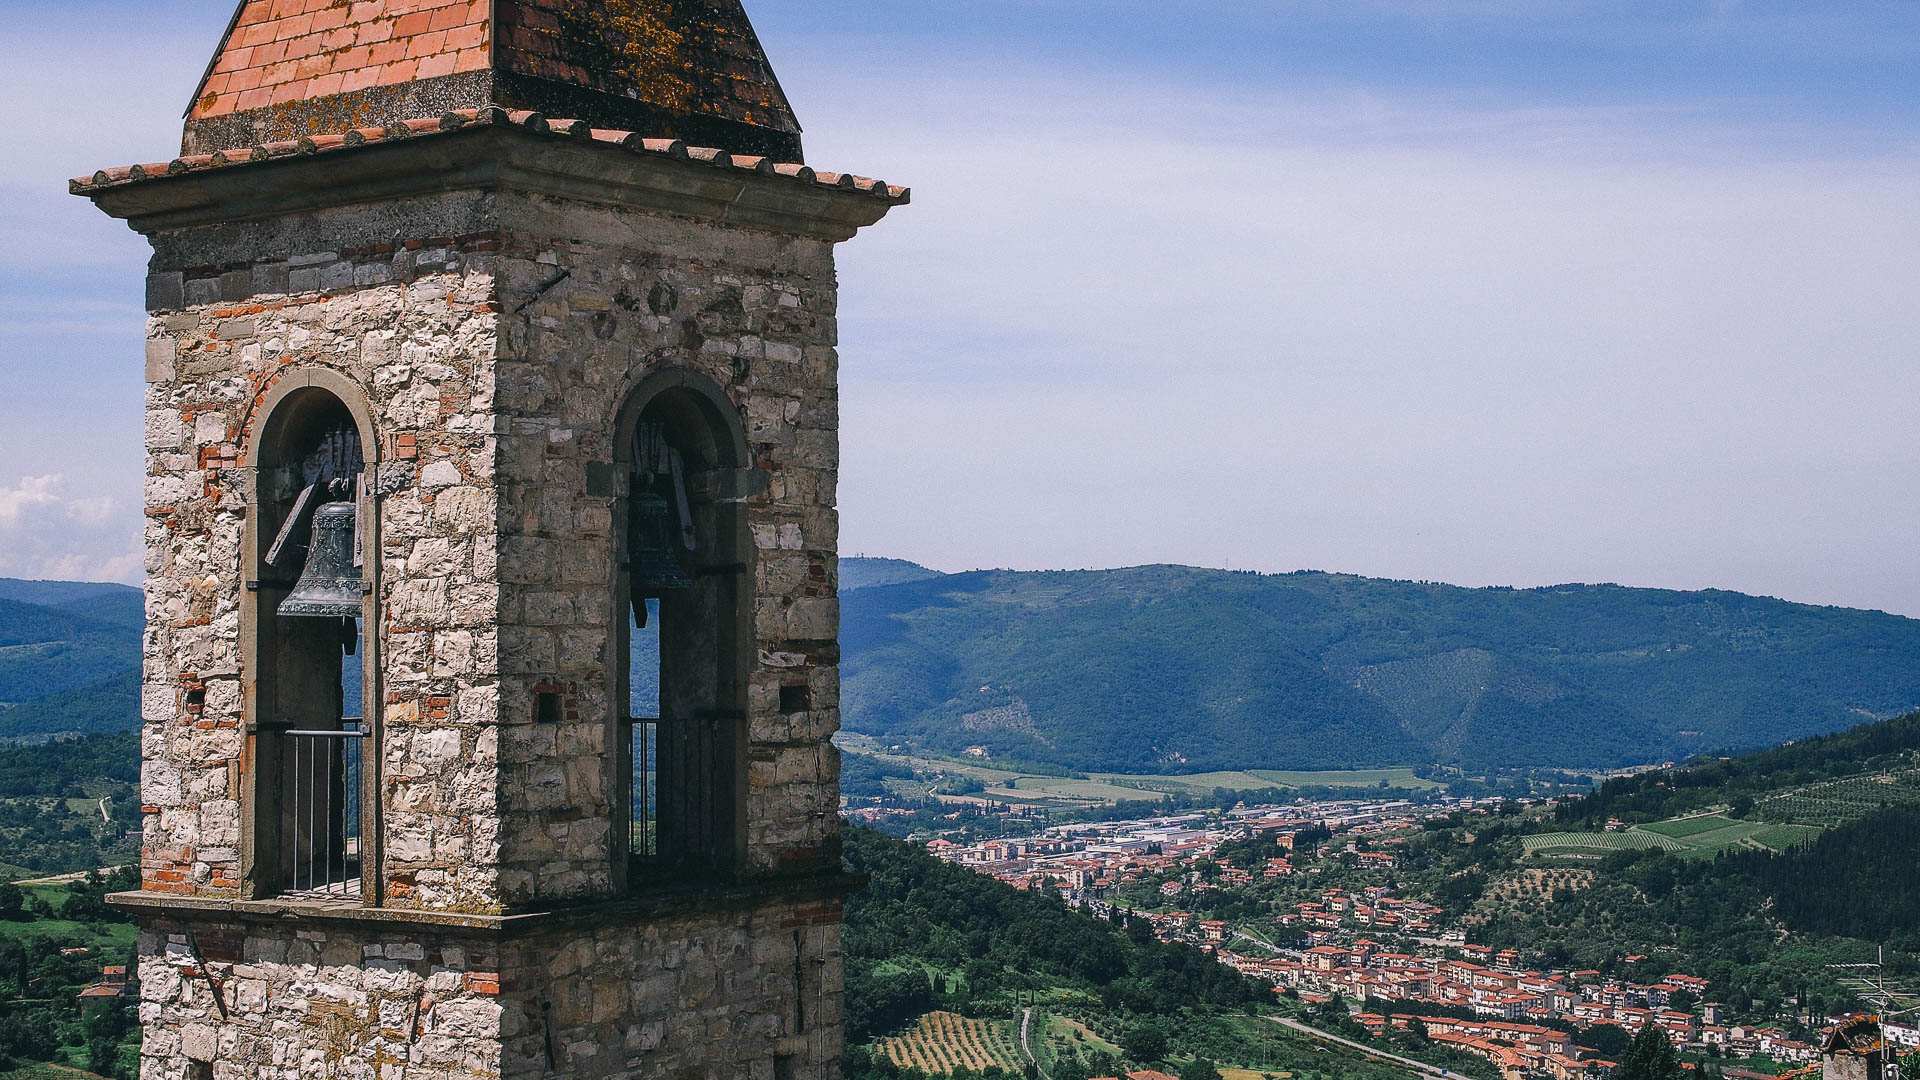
862 572
1176 669
1167 668
110 706
101 601
61 637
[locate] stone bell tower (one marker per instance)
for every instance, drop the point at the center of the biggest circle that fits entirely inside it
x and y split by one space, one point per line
491 651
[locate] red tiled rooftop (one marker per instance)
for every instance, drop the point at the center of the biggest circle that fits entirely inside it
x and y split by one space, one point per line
290 67
290 50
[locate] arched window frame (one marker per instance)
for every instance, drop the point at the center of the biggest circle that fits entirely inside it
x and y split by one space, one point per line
703 423
275 424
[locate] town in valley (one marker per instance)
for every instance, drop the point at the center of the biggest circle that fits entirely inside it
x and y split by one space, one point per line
1316 903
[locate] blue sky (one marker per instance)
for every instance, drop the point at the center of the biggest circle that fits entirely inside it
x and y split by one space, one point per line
1486 291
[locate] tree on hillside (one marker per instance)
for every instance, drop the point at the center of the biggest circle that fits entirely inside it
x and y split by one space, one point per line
12 902
1649 1057
1199 1069
1146 1041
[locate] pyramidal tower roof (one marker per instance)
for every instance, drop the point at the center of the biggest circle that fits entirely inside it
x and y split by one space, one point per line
679 69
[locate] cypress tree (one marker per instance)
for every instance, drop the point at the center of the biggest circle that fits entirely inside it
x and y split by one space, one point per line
1649 1056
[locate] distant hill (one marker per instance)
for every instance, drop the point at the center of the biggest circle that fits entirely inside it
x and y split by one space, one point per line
102 601
864 573
110 706
68 648
1174 669
1166 668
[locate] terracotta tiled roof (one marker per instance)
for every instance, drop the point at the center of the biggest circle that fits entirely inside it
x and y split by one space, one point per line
671 68
461 118
290 50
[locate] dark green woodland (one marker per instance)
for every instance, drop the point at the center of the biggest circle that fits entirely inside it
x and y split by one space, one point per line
1173 669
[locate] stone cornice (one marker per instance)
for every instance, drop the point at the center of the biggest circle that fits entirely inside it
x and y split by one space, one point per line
493 150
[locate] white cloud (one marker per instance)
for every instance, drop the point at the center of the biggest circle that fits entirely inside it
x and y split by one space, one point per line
92 512
30 494
1459 343
46 534
1444 337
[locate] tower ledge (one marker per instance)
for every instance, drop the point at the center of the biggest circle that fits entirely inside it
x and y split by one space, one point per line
475 147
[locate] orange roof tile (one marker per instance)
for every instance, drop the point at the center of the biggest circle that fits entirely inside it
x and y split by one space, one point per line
669 68
461 118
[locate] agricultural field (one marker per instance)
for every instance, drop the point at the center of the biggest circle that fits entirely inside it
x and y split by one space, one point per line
1064 1046
1681 828
1537 882
1094 792
1836 802
112 940
1776 823
1100 789
1256 779
1702 836
944 1041
1594 845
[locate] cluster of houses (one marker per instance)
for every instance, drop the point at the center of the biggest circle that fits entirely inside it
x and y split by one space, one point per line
1519 1015
1513 1006
1372 910
111 986
1092 860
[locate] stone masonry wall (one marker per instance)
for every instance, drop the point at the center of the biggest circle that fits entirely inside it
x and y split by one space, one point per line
723 995
589 316
333 1003
495 360
413 322
719 994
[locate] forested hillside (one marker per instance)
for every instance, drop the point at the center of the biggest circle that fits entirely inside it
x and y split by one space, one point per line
1886 748
1176 669
1100 997
1765 926
69 657
69 805
1171 669
992 941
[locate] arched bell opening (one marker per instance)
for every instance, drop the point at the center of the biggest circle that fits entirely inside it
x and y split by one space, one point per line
311 555
682 612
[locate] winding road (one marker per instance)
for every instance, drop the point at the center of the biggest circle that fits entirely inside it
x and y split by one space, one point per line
1026 1018
1422 1067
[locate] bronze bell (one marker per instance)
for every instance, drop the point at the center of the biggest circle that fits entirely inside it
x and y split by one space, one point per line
653 556
329 585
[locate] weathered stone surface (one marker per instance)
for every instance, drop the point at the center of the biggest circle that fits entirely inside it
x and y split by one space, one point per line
495 337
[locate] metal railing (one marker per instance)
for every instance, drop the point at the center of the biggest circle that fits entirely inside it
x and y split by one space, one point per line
672 821
320 830
643 817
